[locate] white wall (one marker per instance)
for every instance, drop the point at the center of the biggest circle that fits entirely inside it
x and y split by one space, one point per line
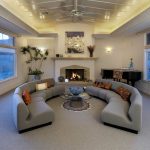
10 84
123 48
62 28
45 43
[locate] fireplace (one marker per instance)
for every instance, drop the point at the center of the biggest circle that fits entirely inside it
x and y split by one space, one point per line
75 74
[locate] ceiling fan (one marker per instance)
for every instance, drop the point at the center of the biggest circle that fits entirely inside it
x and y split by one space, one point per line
78 15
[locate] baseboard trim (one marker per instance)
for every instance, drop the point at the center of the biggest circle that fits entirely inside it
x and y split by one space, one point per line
122 128
36 127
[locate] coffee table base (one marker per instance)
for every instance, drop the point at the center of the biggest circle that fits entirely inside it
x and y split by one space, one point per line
76 101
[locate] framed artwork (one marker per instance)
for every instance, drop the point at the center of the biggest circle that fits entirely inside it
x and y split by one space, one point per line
74 42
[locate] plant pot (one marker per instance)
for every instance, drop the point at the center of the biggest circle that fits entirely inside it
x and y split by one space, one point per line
37 77
33 77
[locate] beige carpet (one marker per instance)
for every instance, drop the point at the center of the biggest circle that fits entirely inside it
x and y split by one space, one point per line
72 130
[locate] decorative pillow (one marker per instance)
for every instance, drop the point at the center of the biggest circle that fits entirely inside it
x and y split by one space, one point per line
49 84
124 93
96 83
41 86
107 86
101 85
26 97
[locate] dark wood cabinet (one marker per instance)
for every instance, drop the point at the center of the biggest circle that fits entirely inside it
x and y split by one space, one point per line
130 75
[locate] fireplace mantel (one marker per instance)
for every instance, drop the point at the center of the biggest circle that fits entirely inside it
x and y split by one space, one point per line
74 58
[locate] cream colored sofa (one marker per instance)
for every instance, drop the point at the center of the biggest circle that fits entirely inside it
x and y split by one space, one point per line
38 113
119 113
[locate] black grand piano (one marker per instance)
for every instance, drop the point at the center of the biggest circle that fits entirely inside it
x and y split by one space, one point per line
130 75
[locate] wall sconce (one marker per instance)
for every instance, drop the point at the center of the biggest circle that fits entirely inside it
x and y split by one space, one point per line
108 50
42 49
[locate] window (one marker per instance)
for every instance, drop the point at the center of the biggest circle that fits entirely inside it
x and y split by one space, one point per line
7 57
6 40
147 64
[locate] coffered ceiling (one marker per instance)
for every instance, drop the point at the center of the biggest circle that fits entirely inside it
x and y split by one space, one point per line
106 15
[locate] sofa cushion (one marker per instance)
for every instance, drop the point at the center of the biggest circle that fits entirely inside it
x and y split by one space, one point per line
39 94
111 94
116 113
58 90
107 86
102 93
37 99
101 85
91 90
48 93
29 85
26 97
96 83
124 93
50 82
40 113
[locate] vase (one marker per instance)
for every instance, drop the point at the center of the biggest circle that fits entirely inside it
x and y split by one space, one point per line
91 54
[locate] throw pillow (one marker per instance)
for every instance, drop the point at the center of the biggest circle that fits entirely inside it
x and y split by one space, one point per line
107 86
26 97
124 93
41 86
50 82
96 83
101 85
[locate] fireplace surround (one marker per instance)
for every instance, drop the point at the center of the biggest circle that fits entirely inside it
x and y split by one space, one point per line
88 64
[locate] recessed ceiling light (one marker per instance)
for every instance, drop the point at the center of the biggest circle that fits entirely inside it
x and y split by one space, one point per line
17 2
126 8
107 15
33 6
42 16
120 14
133 1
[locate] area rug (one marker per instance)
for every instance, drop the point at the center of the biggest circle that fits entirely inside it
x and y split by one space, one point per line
84 106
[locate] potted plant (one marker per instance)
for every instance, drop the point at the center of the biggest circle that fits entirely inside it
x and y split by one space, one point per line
35 58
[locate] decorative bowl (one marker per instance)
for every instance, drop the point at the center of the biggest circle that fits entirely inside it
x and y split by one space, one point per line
76 90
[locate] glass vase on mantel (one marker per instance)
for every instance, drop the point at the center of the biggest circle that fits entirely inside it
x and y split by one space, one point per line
91 50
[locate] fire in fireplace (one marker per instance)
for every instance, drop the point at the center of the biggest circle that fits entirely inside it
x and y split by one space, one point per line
75 74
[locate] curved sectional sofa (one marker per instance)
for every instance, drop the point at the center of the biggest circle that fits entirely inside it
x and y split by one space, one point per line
119 113
38 113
